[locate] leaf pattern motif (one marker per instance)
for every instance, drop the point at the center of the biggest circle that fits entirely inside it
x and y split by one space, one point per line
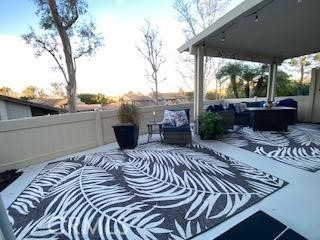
298 147
155 191
264 137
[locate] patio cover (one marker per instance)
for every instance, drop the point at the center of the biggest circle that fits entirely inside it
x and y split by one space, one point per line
266 31
285 29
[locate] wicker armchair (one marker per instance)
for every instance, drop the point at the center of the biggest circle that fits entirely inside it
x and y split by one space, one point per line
177 135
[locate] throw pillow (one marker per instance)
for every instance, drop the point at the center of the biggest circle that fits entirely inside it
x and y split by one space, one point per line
243 107
181 118
218 108
232 108
169 118
237 107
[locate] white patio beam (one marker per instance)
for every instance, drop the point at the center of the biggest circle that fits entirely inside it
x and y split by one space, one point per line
198 91
5 226
272 81
195 90
221 52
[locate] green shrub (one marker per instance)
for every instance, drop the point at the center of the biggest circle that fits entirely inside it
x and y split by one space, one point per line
210 125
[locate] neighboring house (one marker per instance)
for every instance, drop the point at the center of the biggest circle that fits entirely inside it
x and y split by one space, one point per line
81 106
63 103
53 102
13 108
138 99
171 98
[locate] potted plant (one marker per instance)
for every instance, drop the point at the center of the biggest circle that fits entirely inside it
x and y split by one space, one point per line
210 126
127 131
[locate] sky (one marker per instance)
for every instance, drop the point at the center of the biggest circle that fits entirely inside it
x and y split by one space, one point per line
117 67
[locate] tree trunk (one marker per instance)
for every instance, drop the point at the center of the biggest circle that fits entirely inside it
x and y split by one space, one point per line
247 89
234 86
301 74
71 87
157 93
72 99
258 87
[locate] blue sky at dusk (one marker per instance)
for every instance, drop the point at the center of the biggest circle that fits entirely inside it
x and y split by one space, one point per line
17 15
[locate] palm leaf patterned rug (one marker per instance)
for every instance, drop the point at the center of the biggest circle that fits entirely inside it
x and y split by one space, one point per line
155 191
299 147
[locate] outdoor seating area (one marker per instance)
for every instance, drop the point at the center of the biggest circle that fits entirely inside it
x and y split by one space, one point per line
244 113
215 184
224 169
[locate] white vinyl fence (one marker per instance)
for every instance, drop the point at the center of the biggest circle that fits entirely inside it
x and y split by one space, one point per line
33 140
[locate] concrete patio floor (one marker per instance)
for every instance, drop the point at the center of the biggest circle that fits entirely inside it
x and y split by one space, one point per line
296 205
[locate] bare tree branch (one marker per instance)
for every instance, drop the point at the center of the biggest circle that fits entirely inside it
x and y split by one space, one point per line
60 19
197 15
151 51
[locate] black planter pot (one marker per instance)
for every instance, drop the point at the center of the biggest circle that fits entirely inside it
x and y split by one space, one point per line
127 135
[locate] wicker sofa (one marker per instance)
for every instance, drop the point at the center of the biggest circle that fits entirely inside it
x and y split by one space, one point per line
243 117
227 116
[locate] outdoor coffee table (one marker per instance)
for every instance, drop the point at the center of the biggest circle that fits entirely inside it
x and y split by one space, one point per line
151 130
270 119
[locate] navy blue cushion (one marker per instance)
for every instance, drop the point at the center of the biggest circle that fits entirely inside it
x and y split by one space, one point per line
232 107
262 103
289 102
176 129
210 108
253 104
218 107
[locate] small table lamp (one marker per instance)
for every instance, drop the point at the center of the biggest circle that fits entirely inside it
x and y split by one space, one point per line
154 116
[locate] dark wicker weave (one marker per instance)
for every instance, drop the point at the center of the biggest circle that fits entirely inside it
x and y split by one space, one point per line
177 135
177 138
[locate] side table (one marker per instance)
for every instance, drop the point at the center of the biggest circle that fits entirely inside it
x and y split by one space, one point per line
151 130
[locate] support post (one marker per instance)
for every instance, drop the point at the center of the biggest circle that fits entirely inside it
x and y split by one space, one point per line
99 128
313 112
272 78
195 91
5 226
274 81
198 93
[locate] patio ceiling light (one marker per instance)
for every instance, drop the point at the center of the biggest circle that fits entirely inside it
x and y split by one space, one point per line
223 37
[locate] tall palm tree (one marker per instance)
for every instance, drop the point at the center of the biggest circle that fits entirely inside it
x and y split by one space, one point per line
232 70
248 74
261 83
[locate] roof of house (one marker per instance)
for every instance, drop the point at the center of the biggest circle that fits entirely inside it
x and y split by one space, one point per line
53 102
28 103
138 97
81 107
172 96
